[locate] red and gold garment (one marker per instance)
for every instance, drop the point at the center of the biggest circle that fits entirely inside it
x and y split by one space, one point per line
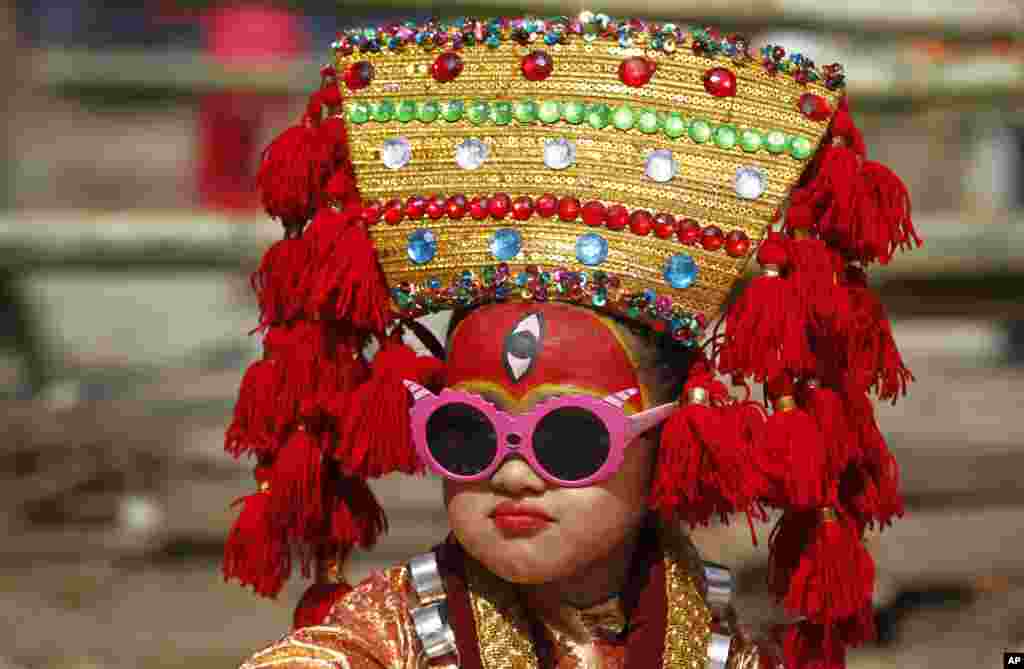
371 627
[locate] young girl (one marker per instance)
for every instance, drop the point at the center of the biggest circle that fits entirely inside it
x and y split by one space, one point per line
584 193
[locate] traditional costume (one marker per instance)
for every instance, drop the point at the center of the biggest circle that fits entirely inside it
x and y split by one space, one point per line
626 167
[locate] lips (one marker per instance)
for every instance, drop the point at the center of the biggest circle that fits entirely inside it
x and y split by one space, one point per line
518 519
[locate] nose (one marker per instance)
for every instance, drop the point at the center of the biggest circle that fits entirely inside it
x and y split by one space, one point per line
515 477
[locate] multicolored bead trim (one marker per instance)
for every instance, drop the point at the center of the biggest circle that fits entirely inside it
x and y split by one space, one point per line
598 289
663 37
568 209
599 116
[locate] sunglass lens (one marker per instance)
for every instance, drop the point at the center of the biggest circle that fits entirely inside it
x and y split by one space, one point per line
461 439
571 443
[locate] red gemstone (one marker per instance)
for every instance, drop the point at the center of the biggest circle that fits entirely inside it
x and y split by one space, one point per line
618 217
479 206
547 205
688 231
636 71
568 209
594 214
372 211
720 82
641 222
815 107
415 207
499 206
394 213
446 67
664 225
522 208
712 238
737 244
435 207
537 66
358 75
456 207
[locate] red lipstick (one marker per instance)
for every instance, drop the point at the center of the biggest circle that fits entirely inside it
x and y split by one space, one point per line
518 519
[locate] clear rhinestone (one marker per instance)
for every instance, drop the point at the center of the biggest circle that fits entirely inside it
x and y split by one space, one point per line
559 153
661 166
471 154
396 153
750 183
591 249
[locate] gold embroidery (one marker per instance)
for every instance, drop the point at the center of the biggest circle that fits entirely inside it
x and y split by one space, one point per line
501 626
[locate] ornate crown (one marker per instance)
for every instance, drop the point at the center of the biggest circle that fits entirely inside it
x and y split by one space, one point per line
627 166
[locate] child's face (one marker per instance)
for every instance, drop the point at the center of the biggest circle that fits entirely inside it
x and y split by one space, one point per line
572 353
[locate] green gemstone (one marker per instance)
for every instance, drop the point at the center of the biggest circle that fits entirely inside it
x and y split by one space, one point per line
775 141
359 112
429 111
502 113
598 300
725 136
550 112
479 112
598 116
526 111
623 118
383 111
574 112
675 125
453 110
406 111
800 148
750 140
488 274
633 312
648 121
700 131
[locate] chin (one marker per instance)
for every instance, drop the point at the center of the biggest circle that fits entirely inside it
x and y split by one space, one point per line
526 565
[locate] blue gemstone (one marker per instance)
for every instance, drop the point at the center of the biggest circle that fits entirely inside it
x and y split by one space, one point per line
591 249
505 243
434 283
680 271
422 246
521 279
650 296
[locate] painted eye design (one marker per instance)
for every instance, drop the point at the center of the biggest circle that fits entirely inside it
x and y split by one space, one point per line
522 345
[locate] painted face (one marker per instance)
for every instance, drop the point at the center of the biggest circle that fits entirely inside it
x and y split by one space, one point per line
519 526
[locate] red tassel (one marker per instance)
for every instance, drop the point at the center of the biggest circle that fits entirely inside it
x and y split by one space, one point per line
375 437
826 407
294 168
792 454
870 485
870 354
357 518
813 266
255 428
883 223
809 646
820 566
278 281
346 281
766 328
297 487
256 553
317 602
702 468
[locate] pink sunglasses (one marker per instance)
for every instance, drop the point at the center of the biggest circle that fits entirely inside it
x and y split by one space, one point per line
573 441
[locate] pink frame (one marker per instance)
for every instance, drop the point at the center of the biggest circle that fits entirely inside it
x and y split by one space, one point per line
622 429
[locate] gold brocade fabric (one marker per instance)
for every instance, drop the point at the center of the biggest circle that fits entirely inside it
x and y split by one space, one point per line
371 629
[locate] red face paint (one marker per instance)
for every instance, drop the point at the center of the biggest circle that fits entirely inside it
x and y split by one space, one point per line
520 353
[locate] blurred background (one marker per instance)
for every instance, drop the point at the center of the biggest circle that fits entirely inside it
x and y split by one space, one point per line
128 227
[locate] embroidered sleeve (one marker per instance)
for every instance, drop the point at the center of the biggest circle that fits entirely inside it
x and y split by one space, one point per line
370 628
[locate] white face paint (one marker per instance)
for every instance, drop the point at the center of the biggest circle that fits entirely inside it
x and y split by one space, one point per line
522 345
